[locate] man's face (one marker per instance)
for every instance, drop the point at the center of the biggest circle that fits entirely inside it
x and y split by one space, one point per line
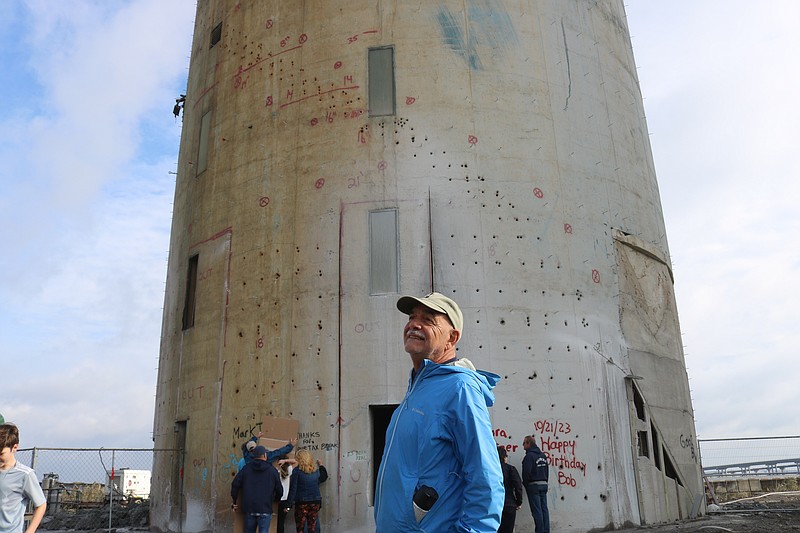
429 335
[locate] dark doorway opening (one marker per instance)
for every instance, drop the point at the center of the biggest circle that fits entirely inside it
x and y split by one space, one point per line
179 448
380 415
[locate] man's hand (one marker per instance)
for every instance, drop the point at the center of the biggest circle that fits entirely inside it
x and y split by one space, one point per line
235 506
293 441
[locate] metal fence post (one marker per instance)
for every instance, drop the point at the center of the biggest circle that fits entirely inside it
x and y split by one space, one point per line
111 491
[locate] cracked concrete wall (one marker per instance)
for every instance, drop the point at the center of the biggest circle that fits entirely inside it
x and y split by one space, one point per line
516 162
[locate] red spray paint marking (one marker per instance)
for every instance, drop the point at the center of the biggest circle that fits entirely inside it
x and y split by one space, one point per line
319 94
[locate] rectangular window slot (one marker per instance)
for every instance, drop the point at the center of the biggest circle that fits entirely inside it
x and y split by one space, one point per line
638 403
381 81
205 130
383 253
191 293
656 446
216 35
644 449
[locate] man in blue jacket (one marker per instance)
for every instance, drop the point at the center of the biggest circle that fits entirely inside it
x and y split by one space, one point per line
440 471
260 485
535 472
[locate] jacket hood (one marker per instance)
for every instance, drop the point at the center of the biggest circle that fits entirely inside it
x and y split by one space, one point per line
485 380
260 465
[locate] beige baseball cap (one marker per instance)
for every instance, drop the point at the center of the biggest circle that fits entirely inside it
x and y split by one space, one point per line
437 302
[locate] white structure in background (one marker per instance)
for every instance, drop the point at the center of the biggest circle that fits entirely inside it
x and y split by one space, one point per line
132 483
336 155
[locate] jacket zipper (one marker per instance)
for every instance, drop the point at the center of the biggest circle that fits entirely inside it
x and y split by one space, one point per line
394 429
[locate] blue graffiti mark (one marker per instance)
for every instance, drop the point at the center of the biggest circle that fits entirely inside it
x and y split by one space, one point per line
201 475
231 464
453 35
488 26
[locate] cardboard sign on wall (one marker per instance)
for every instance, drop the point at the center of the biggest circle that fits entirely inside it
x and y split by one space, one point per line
278 432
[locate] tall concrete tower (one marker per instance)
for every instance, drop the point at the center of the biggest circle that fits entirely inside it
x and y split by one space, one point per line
338 154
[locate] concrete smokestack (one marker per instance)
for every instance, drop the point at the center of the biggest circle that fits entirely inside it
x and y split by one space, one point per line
338 154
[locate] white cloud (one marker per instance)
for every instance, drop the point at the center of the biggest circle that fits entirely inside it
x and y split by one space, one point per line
84 276
84 199
718 84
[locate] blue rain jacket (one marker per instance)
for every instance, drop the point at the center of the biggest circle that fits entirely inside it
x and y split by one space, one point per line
441 436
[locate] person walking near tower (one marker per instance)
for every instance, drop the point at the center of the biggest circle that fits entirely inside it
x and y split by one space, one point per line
304 493
18 486
513 485
440 471
535 473
260 485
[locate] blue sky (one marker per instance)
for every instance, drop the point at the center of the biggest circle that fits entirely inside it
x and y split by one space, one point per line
88 141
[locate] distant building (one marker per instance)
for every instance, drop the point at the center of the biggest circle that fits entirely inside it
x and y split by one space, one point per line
338 154
131 484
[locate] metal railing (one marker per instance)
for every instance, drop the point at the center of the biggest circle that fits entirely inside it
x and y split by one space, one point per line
750 468
751 456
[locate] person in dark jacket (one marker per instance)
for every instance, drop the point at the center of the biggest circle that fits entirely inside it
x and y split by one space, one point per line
260 485
304 492
535 472
513 485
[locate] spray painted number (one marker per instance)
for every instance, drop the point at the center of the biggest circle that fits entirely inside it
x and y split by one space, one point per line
554 427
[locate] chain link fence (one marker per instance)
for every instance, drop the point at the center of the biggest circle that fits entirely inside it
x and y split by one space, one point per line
100 479
746 468
751 456
98 486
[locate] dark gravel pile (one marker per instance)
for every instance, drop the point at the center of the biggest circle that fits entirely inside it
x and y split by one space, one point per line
135 516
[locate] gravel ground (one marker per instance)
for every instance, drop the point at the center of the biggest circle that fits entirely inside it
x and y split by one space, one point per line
773 514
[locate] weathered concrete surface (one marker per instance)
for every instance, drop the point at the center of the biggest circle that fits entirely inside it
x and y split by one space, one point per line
518 165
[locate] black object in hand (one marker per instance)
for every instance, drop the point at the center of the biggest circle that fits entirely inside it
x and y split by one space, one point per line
425 497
